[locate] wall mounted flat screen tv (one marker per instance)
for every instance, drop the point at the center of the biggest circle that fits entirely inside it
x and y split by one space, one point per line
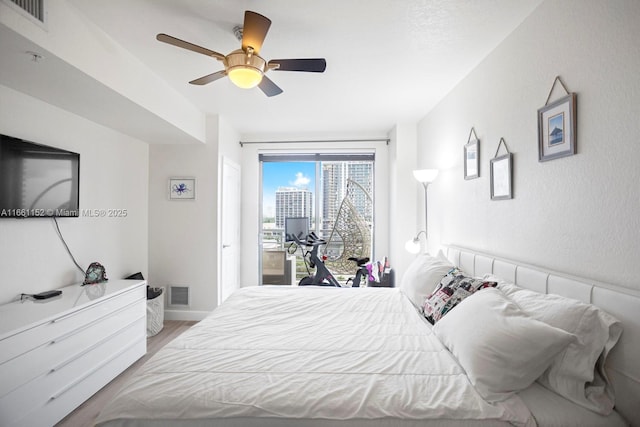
37 180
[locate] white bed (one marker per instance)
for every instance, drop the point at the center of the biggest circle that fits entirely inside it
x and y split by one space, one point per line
623 363
287 356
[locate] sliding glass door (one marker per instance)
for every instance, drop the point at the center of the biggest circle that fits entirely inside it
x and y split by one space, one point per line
335 192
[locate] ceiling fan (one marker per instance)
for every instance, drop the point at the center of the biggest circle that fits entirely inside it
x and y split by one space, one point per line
244 66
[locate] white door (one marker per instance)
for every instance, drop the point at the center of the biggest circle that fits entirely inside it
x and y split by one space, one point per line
230 230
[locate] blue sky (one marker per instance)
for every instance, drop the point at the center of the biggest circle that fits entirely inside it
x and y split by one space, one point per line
284 174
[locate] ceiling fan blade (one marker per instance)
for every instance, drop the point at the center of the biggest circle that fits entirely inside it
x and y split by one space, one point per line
254 31
313 65
268 87
209 78
165 38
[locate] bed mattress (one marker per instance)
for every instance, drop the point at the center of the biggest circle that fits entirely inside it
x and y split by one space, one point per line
307 356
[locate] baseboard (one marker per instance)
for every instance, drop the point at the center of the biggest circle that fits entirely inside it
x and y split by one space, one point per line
185 315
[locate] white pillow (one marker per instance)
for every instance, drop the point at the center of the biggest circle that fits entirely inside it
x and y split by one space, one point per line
422 276
501 349
577 373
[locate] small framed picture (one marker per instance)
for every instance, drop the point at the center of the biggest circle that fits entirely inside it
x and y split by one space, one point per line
472 159
557 129
501 177
182 188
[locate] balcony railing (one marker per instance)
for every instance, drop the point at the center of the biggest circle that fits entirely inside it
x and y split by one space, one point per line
273 239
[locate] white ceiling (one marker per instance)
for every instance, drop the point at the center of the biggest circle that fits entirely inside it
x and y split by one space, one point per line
388 61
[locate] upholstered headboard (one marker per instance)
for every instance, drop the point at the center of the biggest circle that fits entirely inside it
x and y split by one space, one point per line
623 364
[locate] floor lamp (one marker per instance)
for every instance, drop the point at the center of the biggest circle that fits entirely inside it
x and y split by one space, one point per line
425 177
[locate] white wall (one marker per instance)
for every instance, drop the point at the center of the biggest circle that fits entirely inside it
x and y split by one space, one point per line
113 175
73 38
579 214
405 193
228 141
251 190
183 235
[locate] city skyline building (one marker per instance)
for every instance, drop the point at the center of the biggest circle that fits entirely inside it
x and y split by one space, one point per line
335 177
293 202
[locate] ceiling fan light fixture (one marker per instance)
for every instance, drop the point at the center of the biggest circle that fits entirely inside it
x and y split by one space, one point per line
245 70
245 77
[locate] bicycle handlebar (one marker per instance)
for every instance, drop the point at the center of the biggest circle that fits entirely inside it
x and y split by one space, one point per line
311 240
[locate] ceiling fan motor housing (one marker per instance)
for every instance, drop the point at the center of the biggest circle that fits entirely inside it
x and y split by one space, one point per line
244 68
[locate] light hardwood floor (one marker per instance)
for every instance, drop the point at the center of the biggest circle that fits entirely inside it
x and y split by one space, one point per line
85 414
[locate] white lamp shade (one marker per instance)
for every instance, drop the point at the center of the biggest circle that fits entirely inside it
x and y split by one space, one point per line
412 246
425 175
245 77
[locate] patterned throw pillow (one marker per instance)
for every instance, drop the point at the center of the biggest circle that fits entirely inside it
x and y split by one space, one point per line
451 290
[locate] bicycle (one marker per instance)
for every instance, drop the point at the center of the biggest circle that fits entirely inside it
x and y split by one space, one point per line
322 277
362 271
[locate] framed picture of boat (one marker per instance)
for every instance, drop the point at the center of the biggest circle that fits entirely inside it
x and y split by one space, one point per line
557 129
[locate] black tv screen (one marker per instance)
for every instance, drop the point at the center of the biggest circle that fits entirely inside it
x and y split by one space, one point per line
37 180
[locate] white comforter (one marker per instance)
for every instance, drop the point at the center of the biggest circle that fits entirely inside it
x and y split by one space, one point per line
307 353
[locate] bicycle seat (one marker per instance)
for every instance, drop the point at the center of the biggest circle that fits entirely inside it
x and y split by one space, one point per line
359 261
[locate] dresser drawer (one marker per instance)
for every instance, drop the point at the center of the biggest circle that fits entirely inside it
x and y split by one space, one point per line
56 352
57 328
55 410
18 407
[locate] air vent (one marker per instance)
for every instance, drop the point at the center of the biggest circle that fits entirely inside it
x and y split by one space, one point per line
179 295
34 8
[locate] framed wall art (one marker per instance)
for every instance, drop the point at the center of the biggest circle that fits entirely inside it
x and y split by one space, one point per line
501 169
182 188
557 127
472 156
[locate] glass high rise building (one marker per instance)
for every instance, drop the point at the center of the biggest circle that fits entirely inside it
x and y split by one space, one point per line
293 202
335 176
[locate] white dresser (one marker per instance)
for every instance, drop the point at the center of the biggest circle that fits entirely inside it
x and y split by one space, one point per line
56 353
